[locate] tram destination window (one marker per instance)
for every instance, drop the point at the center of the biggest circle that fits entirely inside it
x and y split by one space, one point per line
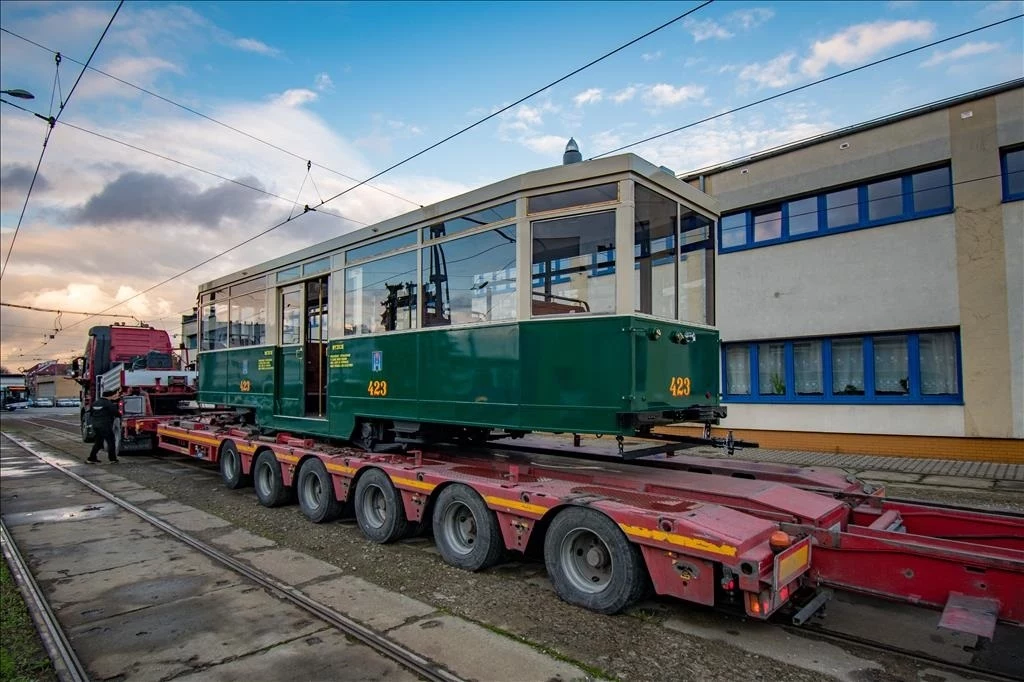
574 264
248 319
654 241
597 194
468 222
383 246
471 279
380 296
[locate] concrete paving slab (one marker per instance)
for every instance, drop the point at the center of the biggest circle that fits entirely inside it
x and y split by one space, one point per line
474 652
195 520
141 496
85 511
289 566
1010 485
370 604
889 476
167 640
119 486
326 655
40 501
169 507
238 540
180 574
958 482
765 639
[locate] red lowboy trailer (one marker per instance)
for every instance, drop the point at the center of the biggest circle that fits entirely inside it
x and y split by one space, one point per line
718 532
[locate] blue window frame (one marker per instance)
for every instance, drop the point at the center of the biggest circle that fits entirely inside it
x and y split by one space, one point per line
874 202
1012 168
901 368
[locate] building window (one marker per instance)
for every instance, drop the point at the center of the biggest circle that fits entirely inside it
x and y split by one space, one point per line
869 204
1013 174
906 368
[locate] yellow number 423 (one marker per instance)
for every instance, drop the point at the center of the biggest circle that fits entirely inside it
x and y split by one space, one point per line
679 386
377 389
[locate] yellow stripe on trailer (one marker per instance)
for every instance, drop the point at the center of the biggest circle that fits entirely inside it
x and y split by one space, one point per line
516 504
676 539
413 483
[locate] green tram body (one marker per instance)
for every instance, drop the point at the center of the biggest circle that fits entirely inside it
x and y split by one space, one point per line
281 338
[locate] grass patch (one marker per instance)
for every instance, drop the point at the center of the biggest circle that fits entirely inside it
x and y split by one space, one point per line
22 657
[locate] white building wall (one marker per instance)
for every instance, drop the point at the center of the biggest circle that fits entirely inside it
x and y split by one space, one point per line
909 420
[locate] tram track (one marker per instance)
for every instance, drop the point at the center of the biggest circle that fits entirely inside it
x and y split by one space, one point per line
386 647
812 631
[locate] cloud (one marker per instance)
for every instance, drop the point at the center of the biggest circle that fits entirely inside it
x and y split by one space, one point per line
900 5
14 182
748 19
163 199
665 95
858 43
295 97
651 56
548 145
771 74
706 30
142 71
323 82
590 96
1006 8
253 45
625 94
962 52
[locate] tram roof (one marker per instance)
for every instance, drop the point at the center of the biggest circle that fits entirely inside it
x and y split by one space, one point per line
609 167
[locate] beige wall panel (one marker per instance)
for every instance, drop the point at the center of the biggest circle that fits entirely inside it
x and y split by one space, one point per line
904 420
1010 113
904 145
1013 229
900 276
981 269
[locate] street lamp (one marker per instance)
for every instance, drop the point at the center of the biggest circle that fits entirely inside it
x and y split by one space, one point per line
17 92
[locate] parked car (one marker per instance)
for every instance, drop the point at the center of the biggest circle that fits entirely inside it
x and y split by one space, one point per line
43 402
13 405
68 402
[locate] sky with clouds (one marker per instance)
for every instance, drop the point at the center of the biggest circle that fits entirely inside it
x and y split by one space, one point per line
134 189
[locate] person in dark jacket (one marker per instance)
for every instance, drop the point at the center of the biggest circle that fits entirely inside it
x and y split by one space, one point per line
103 413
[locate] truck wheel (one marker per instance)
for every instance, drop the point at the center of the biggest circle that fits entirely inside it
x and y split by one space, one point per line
379 510
231 467
316 493
88 435
465 530
267 479
591 562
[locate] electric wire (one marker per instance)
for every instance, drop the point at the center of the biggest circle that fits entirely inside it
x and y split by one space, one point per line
211 119
807 85
55 310
52 121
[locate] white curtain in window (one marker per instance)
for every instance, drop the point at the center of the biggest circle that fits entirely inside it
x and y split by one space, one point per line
737 370
847 367
891 374
807 367
938 364
771 368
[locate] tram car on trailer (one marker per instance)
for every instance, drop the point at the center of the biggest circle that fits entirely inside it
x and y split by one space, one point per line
420 328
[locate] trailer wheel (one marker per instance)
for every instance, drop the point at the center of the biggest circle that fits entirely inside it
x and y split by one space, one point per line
231 467
465 530
316 493
379 509
592 563
88 435
267 479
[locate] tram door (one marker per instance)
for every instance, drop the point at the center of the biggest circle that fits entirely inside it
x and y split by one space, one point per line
302 374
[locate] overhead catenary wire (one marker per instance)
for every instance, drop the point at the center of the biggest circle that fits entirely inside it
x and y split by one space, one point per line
46 139
55 310
798 88
417 154
211 119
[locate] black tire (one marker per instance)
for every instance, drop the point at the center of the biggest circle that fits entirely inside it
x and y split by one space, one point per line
592 563
379 510
465 530
315 490
231 467
88 434
267 479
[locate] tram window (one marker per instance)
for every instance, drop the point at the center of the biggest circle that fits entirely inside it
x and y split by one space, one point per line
472 279
249 287
289 274
468 222
654 240
248 319
214 323
696 264
291 317
316 267
380 296
564 253
376 248
575 197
